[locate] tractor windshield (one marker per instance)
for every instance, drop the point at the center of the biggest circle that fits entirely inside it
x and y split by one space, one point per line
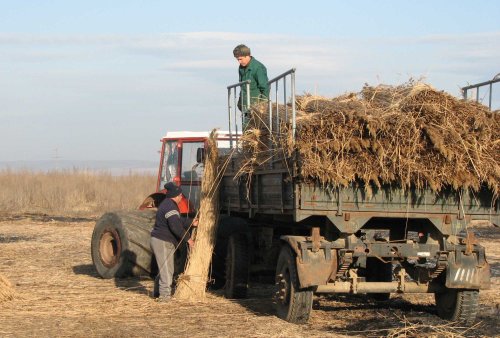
170 162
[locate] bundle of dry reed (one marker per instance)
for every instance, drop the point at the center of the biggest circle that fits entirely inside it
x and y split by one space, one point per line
191 285
410 135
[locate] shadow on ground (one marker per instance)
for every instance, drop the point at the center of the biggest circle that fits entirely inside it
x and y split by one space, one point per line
495 269
85 269
41 217
130 284
14 238
364 302
133 284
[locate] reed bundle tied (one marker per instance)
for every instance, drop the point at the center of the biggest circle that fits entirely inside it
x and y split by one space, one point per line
411 135
191 285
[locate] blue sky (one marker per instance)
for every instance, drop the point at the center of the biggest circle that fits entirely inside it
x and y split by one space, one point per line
103 80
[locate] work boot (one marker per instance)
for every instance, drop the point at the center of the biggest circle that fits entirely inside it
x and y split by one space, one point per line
164 299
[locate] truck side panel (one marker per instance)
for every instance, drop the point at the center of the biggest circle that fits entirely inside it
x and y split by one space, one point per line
274 192
269 193
349 208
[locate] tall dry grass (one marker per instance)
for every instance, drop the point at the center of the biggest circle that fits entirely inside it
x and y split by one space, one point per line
71 192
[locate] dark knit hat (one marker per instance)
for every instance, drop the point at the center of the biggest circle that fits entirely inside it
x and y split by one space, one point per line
172 190
241 50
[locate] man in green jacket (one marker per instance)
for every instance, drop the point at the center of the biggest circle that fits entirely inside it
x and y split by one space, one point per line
256 72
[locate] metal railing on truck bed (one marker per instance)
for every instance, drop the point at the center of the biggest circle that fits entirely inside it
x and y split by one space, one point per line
239 195
281 87
475 89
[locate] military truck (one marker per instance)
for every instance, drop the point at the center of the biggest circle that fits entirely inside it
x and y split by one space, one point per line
309 239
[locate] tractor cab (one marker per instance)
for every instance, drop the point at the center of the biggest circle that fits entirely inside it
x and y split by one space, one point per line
181 162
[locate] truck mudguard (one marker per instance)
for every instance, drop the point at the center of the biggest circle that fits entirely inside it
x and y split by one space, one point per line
315 264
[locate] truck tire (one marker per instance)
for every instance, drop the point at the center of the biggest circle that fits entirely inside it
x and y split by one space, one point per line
458 305
120 244
227 226
236 286
292 303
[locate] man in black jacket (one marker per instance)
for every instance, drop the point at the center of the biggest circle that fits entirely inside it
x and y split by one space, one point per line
169 230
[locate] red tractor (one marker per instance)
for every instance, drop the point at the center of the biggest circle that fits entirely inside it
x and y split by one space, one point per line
120 242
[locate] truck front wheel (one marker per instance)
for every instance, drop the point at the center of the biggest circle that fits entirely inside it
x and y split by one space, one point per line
292 303
458 305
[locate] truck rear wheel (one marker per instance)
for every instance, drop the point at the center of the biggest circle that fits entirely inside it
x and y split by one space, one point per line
120 242
236 286
458 305
292 303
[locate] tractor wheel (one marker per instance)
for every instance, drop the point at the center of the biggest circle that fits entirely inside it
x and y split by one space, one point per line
458 305
119 244
378 271
236 286
292 303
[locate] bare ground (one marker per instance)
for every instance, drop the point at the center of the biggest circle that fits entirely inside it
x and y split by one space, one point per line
48 261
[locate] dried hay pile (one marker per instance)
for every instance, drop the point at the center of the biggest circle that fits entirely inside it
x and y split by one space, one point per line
410 135
6 290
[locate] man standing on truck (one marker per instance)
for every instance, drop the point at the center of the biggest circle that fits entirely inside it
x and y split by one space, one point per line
169 230
250 69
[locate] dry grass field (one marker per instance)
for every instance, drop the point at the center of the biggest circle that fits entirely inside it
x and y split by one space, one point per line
46 257
71 192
